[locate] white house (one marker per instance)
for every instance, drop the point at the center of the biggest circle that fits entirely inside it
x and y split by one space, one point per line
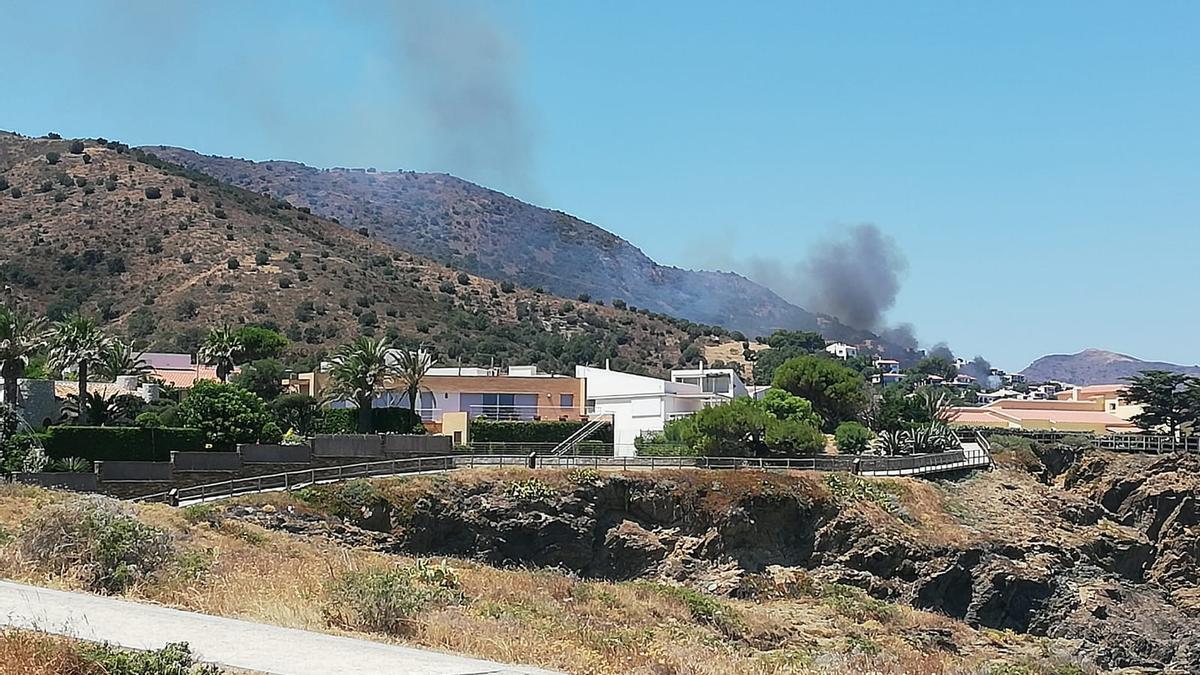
638 403
842 350
721 381
889 372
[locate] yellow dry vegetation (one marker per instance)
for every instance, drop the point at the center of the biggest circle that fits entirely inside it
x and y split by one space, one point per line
545 618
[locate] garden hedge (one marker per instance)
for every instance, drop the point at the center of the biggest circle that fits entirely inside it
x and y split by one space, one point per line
386 421
120 443
549 431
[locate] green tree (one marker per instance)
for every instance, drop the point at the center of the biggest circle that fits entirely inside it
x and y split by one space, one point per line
411 369
227 414
936 365
264 377
120 358
220 349
1169 400
852 438
296 412
77 342
21 335
796 340
786 406
359 375
259 343
745 426
836 392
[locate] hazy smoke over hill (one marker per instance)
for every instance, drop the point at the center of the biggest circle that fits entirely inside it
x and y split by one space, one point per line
903 335
461 64
855 277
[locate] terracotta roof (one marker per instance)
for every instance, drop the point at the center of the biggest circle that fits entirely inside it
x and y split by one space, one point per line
184 379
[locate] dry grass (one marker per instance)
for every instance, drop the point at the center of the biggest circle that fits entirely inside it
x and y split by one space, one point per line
545 617
30 653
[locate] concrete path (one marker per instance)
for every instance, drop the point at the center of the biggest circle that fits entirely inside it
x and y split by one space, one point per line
227 642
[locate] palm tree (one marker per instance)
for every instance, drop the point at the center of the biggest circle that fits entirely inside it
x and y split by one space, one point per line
122 359
221 349
411 369
78 342
20 336
359 374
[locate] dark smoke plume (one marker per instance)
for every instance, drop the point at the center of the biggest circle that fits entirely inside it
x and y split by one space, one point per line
460 64
855 277
942 350
903 335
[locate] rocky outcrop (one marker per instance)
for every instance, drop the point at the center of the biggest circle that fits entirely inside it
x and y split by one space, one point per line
1123 582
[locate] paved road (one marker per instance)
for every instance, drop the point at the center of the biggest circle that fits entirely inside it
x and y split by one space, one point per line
228 642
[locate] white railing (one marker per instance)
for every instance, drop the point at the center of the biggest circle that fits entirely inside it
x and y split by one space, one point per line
523 412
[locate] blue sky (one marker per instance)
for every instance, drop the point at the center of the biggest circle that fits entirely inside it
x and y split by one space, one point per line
1037 164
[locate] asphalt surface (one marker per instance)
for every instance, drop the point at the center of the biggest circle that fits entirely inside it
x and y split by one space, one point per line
228 642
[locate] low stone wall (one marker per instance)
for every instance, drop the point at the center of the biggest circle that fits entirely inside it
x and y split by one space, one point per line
206 461
365 446
399 445
78 482
275 454
110 471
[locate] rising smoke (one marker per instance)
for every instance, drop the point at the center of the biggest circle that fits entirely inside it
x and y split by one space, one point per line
855 277
459 65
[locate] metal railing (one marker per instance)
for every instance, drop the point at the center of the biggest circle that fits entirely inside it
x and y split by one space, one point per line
1123 442
866 465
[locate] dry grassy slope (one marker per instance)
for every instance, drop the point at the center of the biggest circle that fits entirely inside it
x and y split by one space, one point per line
546 617
57 248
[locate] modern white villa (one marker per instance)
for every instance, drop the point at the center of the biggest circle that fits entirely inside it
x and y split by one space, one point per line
638 403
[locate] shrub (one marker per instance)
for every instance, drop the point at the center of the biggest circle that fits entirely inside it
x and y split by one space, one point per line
262 258
852 438
15 193
551 431
232 263
174 659
76 147
99 539
464 279
285 282
508 286
152 193
387 600
3 183
52 157
227 415
177 193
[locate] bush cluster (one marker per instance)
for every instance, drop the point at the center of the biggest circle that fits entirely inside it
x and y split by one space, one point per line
98 539
142 444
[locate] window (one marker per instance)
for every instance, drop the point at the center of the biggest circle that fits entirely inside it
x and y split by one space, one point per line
566 400
719 384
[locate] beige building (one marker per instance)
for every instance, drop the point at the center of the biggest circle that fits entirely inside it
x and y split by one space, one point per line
1087 415
517 393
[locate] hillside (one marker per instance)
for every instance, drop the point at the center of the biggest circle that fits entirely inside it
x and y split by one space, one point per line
161 254
1095 366
499 237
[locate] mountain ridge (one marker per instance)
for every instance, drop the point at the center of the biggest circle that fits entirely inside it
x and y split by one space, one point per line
160 253
1096 366
492 234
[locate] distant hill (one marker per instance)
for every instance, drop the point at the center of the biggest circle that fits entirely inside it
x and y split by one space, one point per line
1095 366
161 253
499 237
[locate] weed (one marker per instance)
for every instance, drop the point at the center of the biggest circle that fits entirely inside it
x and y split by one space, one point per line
703 608
530 489
847 487
344 499
387 600
585 477
197 513
855 604
5 536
